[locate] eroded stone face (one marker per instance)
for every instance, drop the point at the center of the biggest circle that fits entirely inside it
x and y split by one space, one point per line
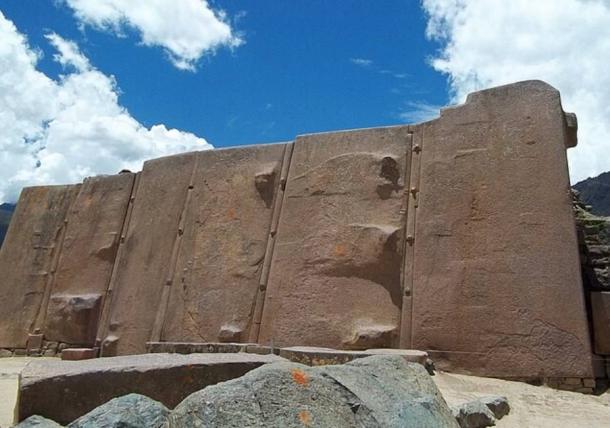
335 279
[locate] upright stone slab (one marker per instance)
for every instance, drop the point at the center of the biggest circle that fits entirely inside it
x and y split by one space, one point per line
28 257
221 254
335 279
87 257
145 264
497 287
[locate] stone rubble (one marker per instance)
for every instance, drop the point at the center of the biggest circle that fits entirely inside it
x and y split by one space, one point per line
482 412
474 414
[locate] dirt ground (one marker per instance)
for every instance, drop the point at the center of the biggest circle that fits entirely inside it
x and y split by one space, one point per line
531 406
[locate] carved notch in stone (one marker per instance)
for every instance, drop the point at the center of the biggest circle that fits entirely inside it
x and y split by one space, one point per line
264 182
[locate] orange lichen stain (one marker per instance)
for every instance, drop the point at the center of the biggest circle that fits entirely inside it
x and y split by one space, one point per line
305 417
340 250
300 377
231 213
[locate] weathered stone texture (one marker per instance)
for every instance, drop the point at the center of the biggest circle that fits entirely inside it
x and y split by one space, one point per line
45 386
28 259
339 243
497 287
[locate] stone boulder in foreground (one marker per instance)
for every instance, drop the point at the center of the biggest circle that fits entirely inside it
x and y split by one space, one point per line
378 391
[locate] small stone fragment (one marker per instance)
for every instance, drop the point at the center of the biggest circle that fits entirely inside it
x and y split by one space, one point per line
474 414
498 405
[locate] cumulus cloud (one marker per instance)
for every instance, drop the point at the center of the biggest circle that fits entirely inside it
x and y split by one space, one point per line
60 131
564 42
185 29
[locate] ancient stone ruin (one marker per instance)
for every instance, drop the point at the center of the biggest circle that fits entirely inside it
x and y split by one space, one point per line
454 236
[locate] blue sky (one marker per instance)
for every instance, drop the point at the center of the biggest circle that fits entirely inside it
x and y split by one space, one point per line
95 86
297 72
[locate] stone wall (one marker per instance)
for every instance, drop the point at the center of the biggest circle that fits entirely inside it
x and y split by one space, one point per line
454 236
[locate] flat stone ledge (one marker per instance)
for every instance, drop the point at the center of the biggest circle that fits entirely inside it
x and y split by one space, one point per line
313 356
46 386
208 348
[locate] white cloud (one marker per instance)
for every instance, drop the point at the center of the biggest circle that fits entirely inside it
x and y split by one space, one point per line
60 131
362 62
564 42
185 29
419 111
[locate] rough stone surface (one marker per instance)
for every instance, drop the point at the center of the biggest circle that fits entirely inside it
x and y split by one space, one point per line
45 387
379 391
128 411
497 404
474 414
27 259
37 422
496 282
339 243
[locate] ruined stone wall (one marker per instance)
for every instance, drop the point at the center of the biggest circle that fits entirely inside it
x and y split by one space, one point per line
454 236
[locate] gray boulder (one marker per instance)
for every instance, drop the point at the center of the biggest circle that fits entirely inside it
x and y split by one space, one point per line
378 391
498 405
128 411
37 422
474 414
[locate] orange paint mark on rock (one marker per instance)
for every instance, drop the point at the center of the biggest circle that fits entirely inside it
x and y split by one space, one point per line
231 213
340 250
300 377
305 417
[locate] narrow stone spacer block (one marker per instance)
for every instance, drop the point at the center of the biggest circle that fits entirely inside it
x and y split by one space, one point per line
75 354
34 343
600 308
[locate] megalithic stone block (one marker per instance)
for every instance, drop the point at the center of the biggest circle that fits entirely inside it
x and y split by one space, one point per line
144 266
28 259
497 284
222 251
87 257
335 279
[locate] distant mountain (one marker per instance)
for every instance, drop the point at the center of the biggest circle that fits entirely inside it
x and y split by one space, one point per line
6 212
596 192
